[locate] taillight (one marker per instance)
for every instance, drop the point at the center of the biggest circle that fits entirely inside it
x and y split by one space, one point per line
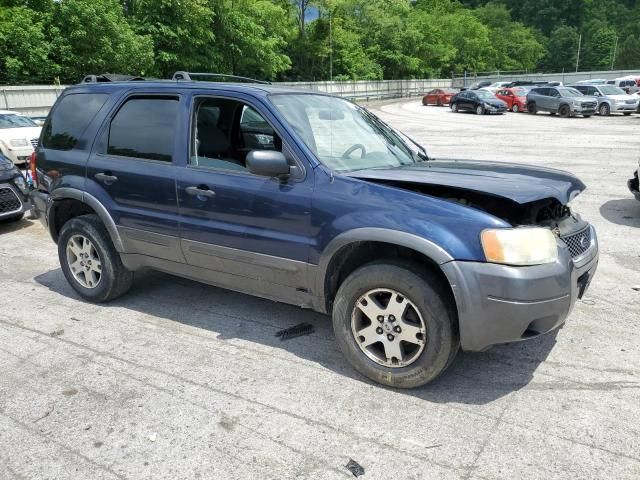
32 170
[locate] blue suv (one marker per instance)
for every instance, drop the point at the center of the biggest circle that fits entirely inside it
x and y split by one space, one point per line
308 199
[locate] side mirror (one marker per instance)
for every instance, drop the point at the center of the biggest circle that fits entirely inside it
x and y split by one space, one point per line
268 163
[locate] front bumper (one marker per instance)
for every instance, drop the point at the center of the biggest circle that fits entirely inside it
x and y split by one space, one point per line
624 107
634 185
12 201
500 304
20 155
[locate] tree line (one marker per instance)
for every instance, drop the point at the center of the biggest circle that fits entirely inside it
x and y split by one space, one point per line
42 41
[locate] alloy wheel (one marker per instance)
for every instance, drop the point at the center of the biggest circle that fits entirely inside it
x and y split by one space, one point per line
84 261
388 328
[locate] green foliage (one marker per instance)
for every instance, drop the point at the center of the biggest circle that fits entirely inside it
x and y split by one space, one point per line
312 39
24 50
181 32
92 36
562 50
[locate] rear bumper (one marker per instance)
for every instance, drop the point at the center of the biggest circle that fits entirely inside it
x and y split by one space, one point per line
40 201
501 304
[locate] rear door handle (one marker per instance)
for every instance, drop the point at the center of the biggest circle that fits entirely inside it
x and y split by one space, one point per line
106 178
200 191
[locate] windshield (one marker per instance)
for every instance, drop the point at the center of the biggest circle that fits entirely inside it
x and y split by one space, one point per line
12 120
485 94
611 90
344 136
569 92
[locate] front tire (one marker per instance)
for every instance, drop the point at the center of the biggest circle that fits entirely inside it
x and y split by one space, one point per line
454 107
604 110
515 108
479 110
565 111
90 262
531 108
395 323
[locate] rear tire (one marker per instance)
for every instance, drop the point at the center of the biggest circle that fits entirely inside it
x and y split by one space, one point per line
426 304
626 114
88 234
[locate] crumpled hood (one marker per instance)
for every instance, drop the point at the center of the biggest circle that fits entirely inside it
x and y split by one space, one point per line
519 183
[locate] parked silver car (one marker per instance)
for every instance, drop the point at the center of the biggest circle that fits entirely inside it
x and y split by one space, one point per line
611 99
565 101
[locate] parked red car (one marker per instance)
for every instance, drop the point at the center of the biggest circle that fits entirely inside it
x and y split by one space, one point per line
515 98
438 96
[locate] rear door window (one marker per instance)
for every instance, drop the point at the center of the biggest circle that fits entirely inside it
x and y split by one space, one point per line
145 127
70 118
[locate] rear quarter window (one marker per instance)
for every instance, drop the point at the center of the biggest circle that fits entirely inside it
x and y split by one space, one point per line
70 118
145 128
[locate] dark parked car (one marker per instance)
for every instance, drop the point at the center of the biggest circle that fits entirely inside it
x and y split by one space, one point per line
13 192
479 85
479 101
565 101
308 199
633 184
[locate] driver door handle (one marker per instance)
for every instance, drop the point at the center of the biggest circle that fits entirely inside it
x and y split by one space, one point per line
106 178
200 191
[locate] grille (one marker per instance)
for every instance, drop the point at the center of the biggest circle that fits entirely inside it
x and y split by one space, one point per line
630 102
578 243
9 201
589 105
34 143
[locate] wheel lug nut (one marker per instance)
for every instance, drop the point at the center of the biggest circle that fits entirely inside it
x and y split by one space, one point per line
392 318
397 329
390 337
380 318
379 331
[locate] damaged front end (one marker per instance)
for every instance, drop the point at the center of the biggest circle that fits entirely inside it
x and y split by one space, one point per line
518 195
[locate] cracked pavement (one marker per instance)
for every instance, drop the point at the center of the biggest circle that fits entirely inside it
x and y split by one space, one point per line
180 380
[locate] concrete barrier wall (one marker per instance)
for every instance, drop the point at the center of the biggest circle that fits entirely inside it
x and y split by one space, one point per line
31 100
38 99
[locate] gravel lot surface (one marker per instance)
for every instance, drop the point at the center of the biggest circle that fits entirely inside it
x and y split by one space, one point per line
178 380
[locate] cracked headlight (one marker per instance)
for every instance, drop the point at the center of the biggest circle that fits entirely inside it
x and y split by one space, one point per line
18 142
520 246
21 184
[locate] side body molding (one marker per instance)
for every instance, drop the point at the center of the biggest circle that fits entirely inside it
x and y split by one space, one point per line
84 197
373 234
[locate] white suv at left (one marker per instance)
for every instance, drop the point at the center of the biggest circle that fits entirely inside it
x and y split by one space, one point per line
18 136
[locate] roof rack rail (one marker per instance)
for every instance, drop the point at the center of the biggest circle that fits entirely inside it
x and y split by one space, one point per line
188 77
111 77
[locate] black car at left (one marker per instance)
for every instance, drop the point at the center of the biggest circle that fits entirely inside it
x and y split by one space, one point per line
479 101
13 191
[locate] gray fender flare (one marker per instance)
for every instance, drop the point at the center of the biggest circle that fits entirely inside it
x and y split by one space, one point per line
88 199
372 234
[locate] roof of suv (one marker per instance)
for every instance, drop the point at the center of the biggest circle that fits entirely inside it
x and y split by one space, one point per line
173 85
